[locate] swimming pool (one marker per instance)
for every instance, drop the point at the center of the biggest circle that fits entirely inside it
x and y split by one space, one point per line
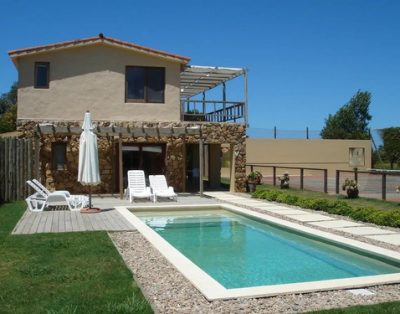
228 251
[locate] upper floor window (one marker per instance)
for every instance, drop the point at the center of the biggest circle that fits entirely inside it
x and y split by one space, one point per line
42 71
144 84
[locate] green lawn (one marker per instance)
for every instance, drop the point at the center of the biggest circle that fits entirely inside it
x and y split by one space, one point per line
63 273
78 273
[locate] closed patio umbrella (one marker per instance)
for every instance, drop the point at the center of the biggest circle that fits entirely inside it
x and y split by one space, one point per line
88 172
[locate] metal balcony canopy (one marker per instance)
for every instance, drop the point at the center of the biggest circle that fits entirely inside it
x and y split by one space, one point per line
198 79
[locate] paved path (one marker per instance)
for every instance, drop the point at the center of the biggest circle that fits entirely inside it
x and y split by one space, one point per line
312 219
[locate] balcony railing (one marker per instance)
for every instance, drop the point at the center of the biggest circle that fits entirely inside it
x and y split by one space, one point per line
213 111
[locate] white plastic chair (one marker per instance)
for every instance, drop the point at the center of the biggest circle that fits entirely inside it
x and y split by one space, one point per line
41 199
160 188
137 186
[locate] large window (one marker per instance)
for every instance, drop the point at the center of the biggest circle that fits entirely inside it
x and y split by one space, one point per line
42 74
144 84
150 158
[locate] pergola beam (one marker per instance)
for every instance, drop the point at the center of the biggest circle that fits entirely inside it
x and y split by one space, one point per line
46 129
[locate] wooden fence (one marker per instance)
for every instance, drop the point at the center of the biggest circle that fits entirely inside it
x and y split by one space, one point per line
17 164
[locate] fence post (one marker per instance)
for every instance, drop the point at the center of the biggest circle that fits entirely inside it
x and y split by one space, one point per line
307 135
275 132
301 178
325 180
337 181
251 168
274 175
384 186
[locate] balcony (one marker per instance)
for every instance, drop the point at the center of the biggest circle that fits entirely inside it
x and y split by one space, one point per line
199 81
213 111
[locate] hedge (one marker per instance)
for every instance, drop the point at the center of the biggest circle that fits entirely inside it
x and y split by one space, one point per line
390 218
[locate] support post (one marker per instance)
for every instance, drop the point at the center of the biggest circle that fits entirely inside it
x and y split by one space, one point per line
307 135
121 183
113 162
301 178
204 103
337 181
384 186
325 180
245 98
224 100
201 159
275 132
232 169
37 157
274 175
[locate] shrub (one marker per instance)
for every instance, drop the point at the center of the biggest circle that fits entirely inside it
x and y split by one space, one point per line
338 207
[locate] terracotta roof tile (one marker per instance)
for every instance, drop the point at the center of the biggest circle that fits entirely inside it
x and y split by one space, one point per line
96 39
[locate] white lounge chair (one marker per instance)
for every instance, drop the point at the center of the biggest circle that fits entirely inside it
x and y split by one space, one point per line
45 190
43 198
77 199
160 188
137 186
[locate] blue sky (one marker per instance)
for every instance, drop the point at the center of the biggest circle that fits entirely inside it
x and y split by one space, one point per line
305 58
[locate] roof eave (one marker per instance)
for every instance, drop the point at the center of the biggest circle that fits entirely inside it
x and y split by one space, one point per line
15 54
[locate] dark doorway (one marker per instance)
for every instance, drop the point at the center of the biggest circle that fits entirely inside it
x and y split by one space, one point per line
212 156
192 168
147 157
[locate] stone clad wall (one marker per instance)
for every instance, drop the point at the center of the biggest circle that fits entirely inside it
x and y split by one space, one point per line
210 133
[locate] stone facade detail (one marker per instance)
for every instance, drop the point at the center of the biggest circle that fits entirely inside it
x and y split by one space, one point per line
174 135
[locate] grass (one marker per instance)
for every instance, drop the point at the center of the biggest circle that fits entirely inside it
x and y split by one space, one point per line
82 272
78 272
382 308
355 202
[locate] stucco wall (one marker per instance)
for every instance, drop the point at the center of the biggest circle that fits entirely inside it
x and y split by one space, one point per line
328 154
93 78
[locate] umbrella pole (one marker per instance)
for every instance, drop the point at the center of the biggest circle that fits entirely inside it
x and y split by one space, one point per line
90 196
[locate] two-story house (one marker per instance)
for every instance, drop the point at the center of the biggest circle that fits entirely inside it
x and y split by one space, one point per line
149 106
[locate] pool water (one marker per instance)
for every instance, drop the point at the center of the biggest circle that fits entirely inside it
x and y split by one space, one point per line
239 252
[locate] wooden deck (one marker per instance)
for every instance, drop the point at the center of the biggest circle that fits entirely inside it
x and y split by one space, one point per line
108 219
70 221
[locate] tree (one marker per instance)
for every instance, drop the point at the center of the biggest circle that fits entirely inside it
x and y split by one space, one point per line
8 110
391 144
351 120
8 99
8 121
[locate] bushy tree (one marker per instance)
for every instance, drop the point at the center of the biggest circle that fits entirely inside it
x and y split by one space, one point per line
8 120
391 144
351 120
8 110
8 99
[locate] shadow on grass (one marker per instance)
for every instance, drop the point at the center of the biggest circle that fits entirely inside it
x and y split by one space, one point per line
78 272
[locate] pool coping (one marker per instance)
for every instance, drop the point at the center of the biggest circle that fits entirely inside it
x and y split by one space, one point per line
213 290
